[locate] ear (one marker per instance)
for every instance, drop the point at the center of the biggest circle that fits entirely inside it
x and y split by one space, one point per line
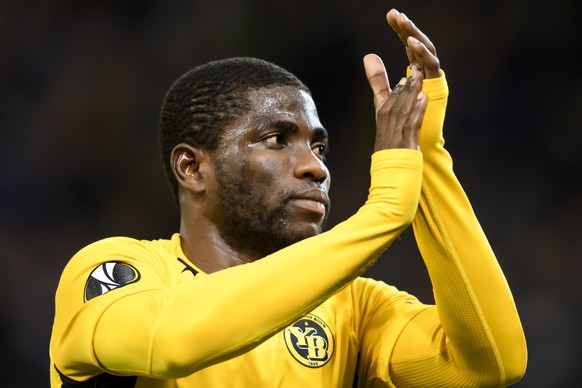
190 165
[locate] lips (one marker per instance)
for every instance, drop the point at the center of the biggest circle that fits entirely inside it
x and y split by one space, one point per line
313 200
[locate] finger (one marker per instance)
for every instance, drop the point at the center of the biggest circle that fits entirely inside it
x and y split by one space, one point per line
408 28
407 100
405 28
411 132
402 111
386 121
378 78
410 88
392 17
423 57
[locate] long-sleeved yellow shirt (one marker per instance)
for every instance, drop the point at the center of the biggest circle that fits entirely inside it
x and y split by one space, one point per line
303 316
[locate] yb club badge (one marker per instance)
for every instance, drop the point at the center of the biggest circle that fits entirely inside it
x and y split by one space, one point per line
310 341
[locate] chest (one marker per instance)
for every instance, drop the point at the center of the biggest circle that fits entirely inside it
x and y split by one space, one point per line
318 350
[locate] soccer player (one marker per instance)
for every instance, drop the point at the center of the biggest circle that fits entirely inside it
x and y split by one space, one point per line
249 293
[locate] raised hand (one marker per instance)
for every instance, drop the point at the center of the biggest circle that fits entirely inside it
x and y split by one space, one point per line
399 112
419 48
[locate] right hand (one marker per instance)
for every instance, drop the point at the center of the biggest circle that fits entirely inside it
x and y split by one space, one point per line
399 112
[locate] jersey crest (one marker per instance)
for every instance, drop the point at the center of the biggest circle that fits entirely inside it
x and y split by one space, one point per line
108 276
310 341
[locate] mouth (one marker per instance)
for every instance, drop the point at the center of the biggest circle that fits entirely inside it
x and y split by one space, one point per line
313 201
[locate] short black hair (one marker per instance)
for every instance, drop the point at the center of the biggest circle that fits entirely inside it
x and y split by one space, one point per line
204 100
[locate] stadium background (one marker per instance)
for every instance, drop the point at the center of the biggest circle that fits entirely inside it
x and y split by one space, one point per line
80 87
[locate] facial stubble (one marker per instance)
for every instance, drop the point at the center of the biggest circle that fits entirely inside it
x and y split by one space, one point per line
249 224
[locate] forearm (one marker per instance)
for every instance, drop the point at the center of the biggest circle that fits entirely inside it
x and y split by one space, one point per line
474 303
184 321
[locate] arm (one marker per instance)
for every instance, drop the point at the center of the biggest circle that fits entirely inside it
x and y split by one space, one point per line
150 328
474 336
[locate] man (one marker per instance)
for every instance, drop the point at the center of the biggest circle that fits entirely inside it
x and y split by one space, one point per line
249 293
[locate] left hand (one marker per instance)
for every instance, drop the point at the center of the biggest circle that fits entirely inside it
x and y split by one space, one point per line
423 59
419 48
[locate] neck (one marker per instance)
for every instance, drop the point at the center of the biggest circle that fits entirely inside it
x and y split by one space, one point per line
204 246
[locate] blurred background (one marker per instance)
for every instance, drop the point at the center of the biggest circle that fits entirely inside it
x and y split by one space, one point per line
81 83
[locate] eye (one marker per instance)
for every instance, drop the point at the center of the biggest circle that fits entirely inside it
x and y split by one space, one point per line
274 140
319 149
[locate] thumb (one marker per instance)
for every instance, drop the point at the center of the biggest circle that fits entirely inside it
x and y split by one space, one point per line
378 78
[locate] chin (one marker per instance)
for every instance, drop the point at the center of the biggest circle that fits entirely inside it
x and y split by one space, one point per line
306 232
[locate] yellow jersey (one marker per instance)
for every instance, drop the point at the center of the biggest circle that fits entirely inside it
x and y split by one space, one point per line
140 314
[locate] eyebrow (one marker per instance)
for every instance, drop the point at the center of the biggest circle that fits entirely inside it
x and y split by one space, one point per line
291 127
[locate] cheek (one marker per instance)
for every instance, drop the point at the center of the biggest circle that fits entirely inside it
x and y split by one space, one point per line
266 175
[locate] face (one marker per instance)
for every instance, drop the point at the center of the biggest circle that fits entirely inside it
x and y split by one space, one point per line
271 181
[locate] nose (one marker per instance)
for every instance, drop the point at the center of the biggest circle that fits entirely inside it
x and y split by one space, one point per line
310 166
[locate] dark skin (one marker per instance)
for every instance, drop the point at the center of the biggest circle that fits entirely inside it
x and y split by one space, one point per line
275 152
420 51
266 186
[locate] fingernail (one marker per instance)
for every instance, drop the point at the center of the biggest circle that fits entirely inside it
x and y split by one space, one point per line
413 40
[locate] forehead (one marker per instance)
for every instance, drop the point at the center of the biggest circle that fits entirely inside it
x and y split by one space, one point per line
268 105
284 103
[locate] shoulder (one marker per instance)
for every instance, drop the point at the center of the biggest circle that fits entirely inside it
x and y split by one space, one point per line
115 262
370 292
117 244
364 284
123 249
118 254
363 291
